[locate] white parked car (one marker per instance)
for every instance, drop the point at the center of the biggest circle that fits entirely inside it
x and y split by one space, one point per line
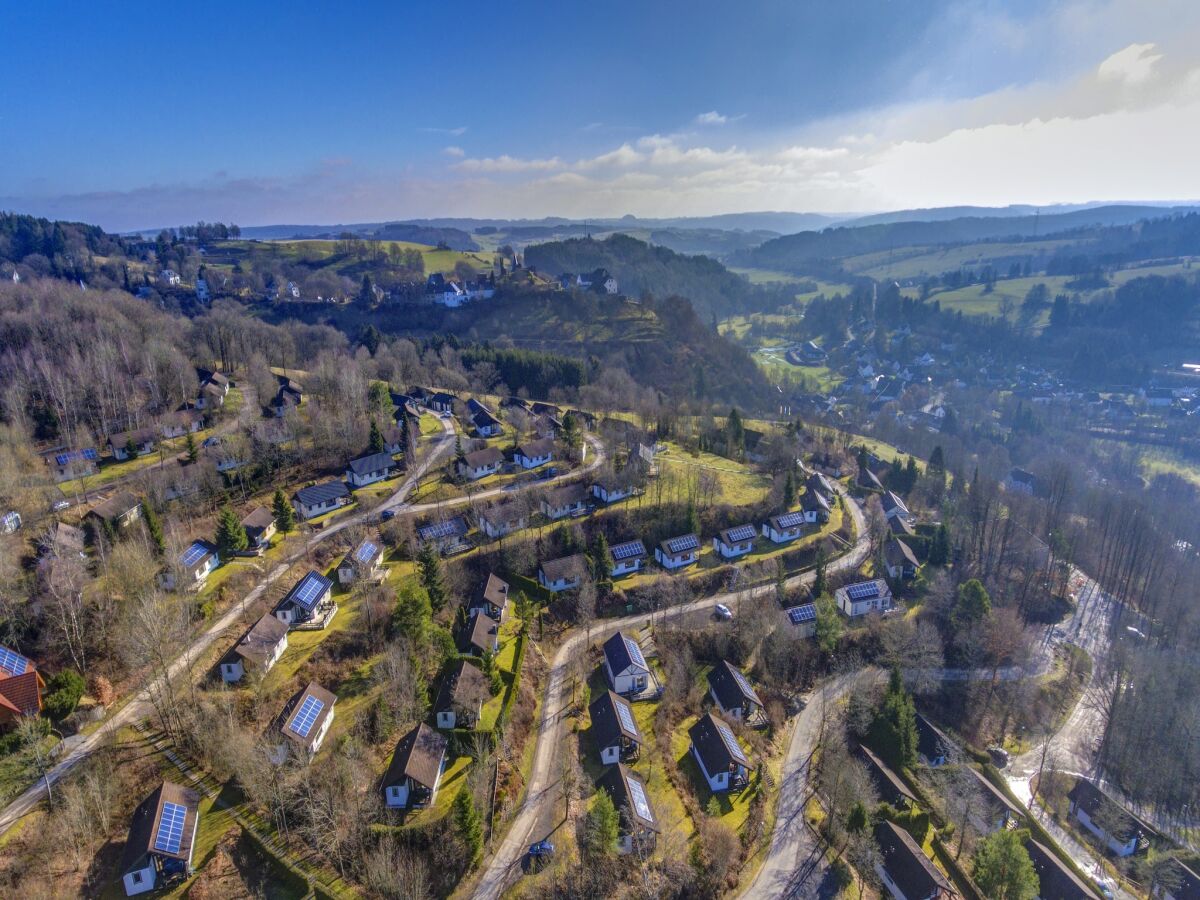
722 612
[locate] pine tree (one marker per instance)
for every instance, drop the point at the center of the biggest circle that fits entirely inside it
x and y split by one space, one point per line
937 461
285 516
789 489
130 448
973 606
193 452
468 824
154 528
571 436
693 520
939 547
602 827
430 567
600 560
1003 869
735 434
375 440
910 475
231 536
413 616
460 456
894 731
828 624
820 578
366 294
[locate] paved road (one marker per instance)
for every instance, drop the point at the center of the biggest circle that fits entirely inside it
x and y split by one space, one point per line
140 706
505 862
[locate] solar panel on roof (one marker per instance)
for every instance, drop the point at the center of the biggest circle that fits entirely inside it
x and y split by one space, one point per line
302 722
309 590
790 520
438 530
194 554
731 743
863 591
12 662
90 454
801 614
366 552
626 717
628 549
635 652
170 828
742 681
740 533
62 459
640 804
683 544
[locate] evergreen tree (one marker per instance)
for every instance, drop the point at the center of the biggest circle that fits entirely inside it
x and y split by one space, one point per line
894 731
430 566
371 338
910 475
488 666
571 435
375 440
937 461
285 516
735 434
602 827
973 606
154 528
1060 313
1003 869
601 567
413 616
130 448
231 536
820 579
193 451
939 547
460 456
692 524
468 824
789 489
828 624
366 294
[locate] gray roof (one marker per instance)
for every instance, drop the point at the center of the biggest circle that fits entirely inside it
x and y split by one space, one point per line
373 462
616 781
259 642
565 568
731 690
488 456
322 493
717 755
534 449
143 827
898 553
907 865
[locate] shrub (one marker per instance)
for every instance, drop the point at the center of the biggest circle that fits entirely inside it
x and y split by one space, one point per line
62 694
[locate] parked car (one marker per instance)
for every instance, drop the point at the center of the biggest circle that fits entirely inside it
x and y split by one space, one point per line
999 756
387 515
722 612
60 505
541 848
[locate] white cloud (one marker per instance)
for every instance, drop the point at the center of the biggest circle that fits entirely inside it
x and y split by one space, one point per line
508 164
712 117
1134 64
457 152
458 131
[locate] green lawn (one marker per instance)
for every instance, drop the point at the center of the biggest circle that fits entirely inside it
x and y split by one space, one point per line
737 484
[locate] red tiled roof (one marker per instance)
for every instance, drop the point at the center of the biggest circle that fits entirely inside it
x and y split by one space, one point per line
22 693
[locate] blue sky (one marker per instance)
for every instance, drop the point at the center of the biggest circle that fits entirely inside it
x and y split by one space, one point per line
140 115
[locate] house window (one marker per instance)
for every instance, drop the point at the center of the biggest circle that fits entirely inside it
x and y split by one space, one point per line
137 877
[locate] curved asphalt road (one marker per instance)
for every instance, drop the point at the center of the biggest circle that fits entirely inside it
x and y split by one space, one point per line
505 862
139 706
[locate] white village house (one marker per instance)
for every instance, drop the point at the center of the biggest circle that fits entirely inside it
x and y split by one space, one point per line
369 469
363 563
626 557
614 729
715 747
734 542
415 772
532 454
564 574
309 604
677 552
304 723
318 499
625 666
864 597
162 835
784 528
259 648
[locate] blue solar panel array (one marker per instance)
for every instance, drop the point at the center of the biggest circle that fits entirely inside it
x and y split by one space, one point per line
865 590
683 544
366 552
438 530
302 722
194 554
628 549
790 520
731 744
309 590
740 533
635 652
89 454
801 614
170 828
12 662
625 714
